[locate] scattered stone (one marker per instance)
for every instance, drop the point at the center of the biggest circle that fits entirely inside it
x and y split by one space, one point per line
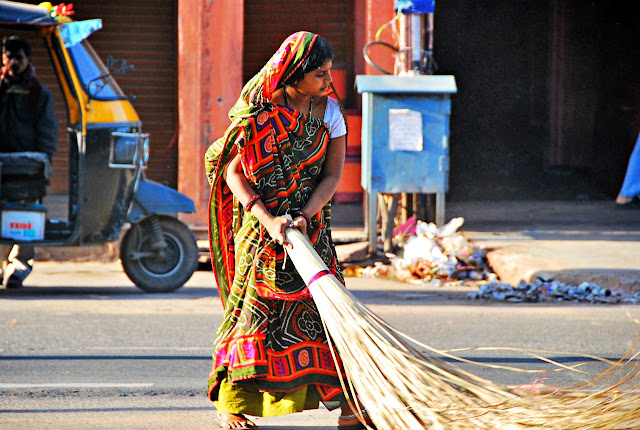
552 291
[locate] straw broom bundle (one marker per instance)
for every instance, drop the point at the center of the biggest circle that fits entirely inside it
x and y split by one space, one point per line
406 385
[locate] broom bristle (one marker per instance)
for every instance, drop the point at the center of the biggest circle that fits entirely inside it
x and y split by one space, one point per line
405 384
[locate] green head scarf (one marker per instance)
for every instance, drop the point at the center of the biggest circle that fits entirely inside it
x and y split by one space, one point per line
279 68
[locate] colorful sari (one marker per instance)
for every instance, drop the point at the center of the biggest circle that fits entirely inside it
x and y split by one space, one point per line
271 355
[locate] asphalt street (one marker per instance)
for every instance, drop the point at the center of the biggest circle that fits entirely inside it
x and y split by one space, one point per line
82 348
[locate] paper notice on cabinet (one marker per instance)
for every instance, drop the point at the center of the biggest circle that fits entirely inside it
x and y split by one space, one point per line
405 130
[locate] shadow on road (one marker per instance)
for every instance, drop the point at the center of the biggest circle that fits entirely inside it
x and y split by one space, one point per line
102 293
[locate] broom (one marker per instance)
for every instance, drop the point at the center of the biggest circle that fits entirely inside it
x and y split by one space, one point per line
404 384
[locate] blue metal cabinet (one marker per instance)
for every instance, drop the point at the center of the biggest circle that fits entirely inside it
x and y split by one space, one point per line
424 168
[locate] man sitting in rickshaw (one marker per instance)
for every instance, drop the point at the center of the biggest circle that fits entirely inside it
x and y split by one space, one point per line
27 124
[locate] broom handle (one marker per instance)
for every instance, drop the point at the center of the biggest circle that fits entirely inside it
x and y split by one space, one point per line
307 261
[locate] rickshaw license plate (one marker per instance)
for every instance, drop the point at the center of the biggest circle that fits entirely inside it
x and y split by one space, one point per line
23 225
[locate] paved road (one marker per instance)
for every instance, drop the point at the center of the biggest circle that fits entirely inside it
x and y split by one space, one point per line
81 348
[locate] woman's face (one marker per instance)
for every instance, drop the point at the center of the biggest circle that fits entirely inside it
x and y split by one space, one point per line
315 83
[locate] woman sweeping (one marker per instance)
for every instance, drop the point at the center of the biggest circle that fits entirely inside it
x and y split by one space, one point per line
282 155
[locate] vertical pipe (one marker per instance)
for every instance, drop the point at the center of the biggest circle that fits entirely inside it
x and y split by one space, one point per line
372 225
402 65
411 44
428 32
417 42
428 40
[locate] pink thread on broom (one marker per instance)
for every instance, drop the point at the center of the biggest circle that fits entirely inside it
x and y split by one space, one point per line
319 275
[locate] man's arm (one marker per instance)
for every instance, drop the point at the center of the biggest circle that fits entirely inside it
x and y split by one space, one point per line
47 125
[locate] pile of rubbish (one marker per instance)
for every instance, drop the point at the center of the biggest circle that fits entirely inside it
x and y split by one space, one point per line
431 255
552 291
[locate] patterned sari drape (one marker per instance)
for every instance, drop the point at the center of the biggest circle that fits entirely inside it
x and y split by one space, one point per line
271 332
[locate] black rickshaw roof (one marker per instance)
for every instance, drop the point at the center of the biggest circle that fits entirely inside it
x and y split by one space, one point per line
24 14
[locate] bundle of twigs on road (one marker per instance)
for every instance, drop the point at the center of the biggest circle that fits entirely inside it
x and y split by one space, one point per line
405 384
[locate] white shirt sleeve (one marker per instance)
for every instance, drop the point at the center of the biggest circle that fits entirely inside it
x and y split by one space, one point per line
334 119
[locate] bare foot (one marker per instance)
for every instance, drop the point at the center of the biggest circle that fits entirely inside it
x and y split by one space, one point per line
623 199
347 417
235 421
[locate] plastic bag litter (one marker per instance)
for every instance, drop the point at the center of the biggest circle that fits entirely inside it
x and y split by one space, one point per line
451 227
457 246
424 245
406 229
421 248
431 253
429 230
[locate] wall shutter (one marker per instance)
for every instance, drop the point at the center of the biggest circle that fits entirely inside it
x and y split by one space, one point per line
267 24
144 33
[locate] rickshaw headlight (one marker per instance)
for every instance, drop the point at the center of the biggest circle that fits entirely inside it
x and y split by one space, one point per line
124 147
145 150
128 150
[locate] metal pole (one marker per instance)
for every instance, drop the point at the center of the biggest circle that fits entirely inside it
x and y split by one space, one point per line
411 44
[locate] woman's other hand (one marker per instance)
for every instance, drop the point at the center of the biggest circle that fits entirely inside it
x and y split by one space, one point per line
276 227
300 223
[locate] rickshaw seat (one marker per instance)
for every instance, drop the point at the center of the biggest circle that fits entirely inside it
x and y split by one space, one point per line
24 176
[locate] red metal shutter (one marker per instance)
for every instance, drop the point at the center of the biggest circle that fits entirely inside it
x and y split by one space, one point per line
144 33
267 24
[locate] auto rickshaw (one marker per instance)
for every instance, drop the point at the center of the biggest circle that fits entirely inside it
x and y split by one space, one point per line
108 153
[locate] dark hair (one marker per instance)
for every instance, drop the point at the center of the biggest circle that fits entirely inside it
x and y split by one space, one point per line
14 44
320 53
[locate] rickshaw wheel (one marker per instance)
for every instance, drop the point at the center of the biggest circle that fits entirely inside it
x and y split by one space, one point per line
159 272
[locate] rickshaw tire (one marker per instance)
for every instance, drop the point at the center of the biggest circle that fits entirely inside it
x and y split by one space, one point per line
149 273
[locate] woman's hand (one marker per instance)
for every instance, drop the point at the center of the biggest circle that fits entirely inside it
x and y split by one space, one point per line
277 225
